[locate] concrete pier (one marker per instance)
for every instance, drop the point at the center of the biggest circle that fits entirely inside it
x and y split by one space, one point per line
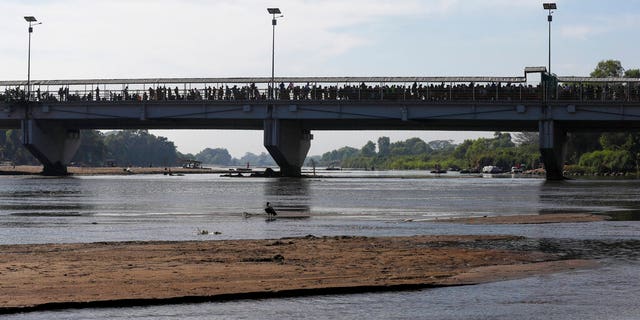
552 148
51 143
288 142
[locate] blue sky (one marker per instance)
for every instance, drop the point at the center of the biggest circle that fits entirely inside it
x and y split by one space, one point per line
197 38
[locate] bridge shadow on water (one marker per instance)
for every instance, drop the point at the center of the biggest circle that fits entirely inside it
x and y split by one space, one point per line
290 197
38 199
616 198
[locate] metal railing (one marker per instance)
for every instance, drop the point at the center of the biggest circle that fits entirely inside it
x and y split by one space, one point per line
437 89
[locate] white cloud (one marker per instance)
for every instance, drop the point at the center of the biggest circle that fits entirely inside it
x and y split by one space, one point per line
599 25
579 32
191 38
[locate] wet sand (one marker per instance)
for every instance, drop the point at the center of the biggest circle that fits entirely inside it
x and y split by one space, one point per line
53 276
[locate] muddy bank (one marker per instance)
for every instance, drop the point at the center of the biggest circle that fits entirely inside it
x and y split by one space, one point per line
50 276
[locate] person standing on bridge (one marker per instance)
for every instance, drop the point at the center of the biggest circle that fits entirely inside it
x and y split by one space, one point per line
97 93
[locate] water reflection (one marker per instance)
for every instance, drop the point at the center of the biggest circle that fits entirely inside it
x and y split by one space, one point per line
289 195
612 197
45 197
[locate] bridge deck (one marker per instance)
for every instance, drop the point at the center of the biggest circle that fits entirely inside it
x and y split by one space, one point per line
325 103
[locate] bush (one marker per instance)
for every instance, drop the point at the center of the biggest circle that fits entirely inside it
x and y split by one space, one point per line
606 161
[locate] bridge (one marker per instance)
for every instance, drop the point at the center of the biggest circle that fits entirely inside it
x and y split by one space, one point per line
51 113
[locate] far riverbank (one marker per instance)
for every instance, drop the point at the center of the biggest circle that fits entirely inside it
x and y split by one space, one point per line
34 170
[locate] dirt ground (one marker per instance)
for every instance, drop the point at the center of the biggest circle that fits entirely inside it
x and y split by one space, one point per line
50 276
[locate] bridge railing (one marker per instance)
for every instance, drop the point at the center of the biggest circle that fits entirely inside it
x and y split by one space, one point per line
592 89
284 91
436 89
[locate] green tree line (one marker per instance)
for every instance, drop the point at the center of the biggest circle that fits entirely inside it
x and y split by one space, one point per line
415 153
126 148
612 153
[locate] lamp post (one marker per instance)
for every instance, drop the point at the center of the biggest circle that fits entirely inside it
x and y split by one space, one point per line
31 21
550 6
274 12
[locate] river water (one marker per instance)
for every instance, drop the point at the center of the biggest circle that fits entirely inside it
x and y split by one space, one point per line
157 207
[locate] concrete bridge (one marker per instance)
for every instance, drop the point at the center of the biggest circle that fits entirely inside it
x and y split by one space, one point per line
51 113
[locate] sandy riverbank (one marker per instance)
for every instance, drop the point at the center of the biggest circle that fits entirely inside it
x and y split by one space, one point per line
50 276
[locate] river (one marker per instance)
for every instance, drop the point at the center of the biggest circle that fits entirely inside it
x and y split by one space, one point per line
156 207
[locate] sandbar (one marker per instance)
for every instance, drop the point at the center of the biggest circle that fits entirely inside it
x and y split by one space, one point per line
116 274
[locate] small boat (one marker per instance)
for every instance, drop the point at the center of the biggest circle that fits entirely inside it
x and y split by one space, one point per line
491 169
516 170
232 174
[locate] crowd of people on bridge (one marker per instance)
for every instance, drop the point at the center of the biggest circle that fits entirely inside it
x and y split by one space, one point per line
363 91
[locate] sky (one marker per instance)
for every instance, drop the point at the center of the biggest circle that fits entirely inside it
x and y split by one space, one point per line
232 38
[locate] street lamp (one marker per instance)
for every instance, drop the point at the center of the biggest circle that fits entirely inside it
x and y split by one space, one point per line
274 12
549 6
31 21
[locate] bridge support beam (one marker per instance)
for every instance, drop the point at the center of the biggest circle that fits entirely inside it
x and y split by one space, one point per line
51 143
552 148
288 143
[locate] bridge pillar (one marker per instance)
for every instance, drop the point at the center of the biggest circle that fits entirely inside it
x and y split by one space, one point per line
288 143
552 148
51 143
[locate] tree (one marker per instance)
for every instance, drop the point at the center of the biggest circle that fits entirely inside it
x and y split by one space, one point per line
608 68
612 140
218 156
526 138
632 73
579 143
384 146
368 150
262 159
501 140
140 148
461 150
92 150
441 145
13 150
337 156
413 146
608 160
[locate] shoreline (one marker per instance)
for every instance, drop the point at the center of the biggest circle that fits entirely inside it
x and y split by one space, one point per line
530 219
120 274
35 170
89 171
